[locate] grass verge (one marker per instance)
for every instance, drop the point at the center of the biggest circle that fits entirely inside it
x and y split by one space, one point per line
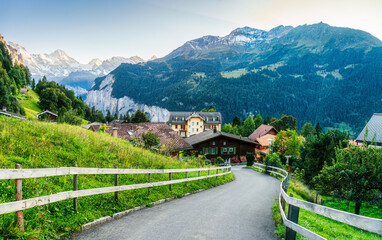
324 226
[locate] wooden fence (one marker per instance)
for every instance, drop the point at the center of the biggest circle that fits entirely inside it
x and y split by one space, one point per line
18 174
291 220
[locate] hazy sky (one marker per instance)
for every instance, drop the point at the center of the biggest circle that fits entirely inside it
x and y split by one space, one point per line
87 29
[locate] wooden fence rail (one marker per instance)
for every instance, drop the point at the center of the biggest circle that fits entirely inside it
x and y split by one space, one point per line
18 174
365 223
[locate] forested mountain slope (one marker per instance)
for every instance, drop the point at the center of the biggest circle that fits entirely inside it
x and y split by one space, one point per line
313 72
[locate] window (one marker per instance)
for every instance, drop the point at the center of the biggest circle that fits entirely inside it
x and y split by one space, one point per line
183 134
230 150
213 143
192 129
176 126
193 123
225 150
183 127
213 150
197 130
189 126
197 123
224 143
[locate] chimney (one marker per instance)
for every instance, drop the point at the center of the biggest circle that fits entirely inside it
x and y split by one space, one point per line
215 130
115 132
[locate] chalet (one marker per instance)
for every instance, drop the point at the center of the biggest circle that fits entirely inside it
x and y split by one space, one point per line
263 130
264 143
374 127
187 124
213 143
169 139
47 116
23 91
11 114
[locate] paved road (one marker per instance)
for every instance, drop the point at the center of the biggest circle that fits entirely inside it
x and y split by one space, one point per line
237 210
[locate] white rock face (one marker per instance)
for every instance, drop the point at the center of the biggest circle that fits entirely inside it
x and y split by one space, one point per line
103 101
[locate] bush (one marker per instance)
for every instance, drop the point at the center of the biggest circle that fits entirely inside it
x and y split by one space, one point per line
250 159
219 160
70 117
273 160
150 140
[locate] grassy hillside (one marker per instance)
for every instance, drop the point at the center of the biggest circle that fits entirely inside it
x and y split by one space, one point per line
31 105
41 145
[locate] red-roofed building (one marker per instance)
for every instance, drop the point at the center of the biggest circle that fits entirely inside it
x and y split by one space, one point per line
263 130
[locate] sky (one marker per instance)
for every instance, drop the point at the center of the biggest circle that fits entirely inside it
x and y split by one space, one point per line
87 29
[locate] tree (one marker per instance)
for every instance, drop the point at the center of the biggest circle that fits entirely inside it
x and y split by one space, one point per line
139 117
288 143
70 117
115 115
127 118
318 129
355 175
248 126
49 99
211 109
258 120
33 86
109 117
204 110
150 140
227 128
284 123
307 129
236 121
320 150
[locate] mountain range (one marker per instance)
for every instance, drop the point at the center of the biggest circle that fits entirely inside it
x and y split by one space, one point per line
60 67
317 73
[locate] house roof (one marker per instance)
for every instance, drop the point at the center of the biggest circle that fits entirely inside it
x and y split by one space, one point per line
48 112
207 135
261 131
165 133
195 115
23 90
11 114
374 127
208 117
263 141
87 126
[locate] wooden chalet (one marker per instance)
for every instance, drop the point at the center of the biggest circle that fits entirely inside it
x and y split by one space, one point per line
47 116
230 147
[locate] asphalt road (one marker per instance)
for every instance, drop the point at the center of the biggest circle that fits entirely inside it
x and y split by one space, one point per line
237 210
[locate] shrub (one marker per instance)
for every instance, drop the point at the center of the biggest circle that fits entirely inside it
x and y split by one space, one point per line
250 159
219 160
273 160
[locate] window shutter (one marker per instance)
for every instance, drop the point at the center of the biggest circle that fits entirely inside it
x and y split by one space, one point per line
216 151
234 150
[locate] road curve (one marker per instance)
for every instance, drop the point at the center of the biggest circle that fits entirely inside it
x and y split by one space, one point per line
237 210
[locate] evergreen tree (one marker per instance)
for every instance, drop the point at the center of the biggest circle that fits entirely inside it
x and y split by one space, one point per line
33 86
211 109
248 126
236 121
307 129
109 117
115 116
318 129
139 117
258 120
127 117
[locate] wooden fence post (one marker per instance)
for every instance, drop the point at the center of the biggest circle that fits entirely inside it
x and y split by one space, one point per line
217 171
19 197
198 173
75 188
169 178
116 193
186 177
293 213
208 170
149 181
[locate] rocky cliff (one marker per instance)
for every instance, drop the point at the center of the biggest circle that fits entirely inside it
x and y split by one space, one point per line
102 100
